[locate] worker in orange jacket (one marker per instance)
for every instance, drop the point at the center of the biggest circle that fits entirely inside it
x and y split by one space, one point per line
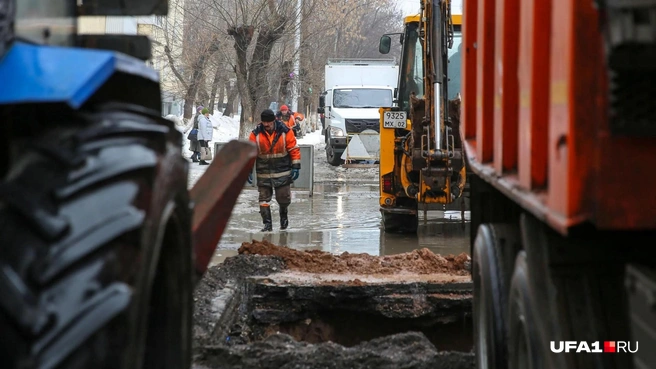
290 118
277 165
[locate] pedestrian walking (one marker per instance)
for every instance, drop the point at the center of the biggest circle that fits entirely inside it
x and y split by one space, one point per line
194 145
277 165
205 131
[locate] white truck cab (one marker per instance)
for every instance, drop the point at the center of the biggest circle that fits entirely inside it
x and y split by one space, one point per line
355 90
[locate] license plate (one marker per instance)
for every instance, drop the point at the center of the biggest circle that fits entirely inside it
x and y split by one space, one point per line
394 119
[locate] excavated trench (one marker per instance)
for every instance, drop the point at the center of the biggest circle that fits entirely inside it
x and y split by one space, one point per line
274 307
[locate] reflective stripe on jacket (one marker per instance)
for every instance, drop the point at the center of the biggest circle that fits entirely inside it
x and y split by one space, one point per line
278 154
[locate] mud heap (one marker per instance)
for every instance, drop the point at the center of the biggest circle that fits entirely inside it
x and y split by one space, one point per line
421 261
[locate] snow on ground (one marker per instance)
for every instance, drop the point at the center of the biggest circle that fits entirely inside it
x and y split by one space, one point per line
314 138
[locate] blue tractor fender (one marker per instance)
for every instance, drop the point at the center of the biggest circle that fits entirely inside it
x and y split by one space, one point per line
50 74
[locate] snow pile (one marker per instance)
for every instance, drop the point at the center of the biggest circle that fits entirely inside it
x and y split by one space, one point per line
225 128
178 121
314 138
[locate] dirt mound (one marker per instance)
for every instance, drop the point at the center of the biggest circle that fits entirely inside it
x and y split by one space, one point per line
421 261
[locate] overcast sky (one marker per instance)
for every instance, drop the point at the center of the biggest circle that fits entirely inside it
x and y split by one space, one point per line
411 7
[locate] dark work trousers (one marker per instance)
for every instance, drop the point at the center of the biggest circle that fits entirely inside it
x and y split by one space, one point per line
283 194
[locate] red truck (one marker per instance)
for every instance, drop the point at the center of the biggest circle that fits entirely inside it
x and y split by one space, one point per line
559 126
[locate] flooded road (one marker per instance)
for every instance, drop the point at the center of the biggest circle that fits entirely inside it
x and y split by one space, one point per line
342 216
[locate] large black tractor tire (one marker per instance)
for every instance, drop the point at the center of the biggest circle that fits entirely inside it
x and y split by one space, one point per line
95 258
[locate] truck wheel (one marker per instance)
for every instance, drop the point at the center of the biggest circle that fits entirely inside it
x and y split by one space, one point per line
524 333
332 158
96 263
495 248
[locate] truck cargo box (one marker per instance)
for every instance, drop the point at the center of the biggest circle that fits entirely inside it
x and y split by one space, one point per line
536 117
360 72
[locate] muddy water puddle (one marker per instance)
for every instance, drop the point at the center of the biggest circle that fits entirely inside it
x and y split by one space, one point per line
342 217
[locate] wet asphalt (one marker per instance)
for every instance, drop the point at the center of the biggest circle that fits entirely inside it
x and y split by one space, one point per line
341 215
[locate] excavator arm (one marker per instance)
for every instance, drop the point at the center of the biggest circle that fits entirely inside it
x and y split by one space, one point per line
441 177
422 161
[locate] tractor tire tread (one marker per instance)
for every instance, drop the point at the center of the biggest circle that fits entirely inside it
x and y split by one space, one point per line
70 207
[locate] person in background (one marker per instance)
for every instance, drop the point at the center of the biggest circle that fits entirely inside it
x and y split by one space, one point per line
290 119
277 165
205 131
286 116
194 145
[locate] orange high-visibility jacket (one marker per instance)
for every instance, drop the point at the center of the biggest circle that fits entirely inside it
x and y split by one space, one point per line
289 121
278 154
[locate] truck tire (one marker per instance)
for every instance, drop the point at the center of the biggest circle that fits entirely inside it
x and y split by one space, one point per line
524 339
489 305
332 158
91 212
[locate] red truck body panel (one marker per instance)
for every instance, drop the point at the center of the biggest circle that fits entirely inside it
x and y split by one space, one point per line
535 120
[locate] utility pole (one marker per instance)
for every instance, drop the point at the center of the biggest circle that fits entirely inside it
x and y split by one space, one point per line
297 57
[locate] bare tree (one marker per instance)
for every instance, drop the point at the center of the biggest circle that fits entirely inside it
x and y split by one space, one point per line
253 42
339 29
189 50
255 26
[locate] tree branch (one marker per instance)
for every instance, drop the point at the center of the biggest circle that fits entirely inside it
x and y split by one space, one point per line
177 73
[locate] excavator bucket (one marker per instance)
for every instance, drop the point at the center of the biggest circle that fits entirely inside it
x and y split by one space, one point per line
214 196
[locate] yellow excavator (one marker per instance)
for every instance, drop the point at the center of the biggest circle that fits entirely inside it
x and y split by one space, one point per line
421 154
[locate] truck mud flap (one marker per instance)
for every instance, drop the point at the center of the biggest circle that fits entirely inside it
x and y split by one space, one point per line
214 196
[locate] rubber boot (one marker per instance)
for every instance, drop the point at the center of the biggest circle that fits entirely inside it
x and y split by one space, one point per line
284 222
265 211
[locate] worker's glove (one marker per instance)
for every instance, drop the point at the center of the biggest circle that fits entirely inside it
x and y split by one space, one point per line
294 174
250 178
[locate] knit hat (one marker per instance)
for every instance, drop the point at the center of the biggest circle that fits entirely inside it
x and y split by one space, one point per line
205 111
268 116
284 107
199 108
